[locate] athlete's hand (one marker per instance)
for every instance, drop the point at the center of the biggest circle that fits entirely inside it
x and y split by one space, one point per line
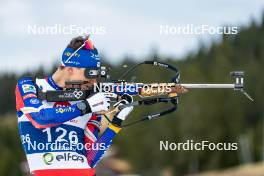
124 112
99 102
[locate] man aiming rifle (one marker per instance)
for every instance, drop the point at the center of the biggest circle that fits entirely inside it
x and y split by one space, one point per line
66 124
61 109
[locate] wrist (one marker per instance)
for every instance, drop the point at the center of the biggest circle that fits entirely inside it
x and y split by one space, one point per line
117 121
84 107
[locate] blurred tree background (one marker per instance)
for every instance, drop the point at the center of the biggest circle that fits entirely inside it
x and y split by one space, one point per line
212 115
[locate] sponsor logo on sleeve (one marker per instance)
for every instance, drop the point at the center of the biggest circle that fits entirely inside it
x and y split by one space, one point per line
34 101
65 110
28 88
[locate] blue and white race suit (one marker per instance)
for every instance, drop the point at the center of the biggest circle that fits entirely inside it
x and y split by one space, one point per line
56 137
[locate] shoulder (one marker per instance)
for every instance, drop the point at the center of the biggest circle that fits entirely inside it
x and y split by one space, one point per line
25 80
26 85
25 91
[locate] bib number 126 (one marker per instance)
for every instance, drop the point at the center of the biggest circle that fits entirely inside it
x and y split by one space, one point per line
63 135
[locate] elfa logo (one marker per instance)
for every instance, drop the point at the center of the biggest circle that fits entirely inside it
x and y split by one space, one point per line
48 158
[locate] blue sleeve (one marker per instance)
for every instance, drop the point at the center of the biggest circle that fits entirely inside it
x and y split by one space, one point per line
95 155
32 107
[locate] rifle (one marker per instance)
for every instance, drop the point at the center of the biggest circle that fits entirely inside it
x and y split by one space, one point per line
149 94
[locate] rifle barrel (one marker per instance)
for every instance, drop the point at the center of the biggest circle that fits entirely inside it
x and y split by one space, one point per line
208 86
